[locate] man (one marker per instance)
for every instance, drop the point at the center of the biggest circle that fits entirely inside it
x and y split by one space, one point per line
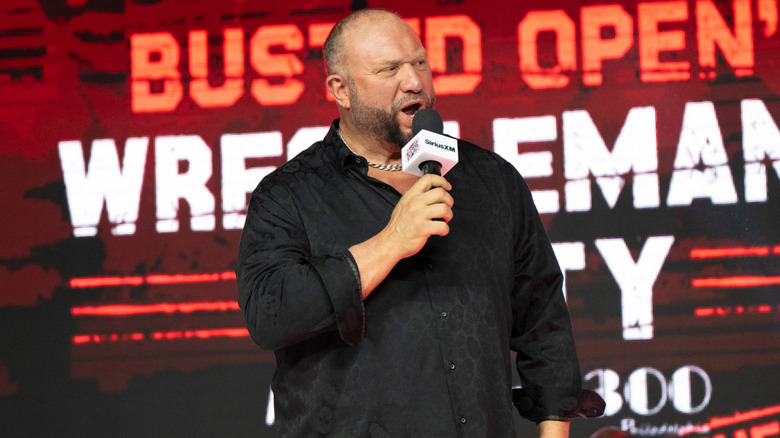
392 301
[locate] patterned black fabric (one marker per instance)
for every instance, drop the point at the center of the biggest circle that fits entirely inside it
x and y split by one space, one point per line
537 403
428 352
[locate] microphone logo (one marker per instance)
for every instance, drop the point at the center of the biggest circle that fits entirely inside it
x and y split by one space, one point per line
440 146
429 151
412 149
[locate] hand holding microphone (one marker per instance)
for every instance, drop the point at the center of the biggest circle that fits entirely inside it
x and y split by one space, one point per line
426 208
429 151
423 211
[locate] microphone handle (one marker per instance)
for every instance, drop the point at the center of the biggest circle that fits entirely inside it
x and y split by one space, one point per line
430 166
434 167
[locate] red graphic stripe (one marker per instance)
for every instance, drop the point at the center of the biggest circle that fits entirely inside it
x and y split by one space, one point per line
201 334
743 417
147 309
155 279
733 310
737 282
717 253
115 337
161 336
87 282
718 422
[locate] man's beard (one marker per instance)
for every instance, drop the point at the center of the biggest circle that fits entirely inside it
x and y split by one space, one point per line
380 123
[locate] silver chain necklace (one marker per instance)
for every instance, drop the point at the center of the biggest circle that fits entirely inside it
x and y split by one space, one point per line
387 167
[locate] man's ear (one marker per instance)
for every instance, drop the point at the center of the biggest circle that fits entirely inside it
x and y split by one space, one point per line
339 89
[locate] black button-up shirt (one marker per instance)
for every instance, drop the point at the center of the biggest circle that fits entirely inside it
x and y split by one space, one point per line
428 352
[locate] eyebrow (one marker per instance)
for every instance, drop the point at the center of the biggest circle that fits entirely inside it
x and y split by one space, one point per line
421 55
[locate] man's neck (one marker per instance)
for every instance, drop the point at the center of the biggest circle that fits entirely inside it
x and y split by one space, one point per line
369 146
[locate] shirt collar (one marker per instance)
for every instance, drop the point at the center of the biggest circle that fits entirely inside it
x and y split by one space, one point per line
345 158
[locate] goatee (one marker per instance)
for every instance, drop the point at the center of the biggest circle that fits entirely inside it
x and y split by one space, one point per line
383 124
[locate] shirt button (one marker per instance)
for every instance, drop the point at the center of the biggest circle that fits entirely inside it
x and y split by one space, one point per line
443 314
452 366
430 267
462 420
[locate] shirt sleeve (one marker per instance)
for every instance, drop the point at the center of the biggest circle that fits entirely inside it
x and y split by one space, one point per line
288 295
541 329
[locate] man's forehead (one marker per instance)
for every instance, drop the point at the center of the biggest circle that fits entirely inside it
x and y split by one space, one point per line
384 39
395 56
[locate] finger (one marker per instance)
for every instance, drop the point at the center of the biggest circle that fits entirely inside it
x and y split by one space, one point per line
438 181
427 182
437 196
438 228
439 212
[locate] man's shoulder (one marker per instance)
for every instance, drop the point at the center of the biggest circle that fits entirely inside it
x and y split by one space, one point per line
315 159
311 159
483 159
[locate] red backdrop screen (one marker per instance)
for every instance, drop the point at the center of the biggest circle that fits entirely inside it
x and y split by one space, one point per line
134 130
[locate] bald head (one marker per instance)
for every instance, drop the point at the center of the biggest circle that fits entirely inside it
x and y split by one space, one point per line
334 50
379 75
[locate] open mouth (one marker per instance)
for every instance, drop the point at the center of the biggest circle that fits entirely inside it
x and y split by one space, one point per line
411 108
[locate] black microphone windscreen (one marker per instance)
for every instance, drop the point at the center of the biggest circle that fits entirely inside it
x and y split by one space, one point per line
427 119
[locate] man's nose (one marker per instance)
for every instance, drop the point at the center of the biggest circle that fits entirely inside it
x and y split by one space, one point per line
411 79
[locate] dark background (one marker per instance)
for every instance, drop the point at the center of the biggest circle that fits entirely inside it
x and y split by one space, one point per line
72 363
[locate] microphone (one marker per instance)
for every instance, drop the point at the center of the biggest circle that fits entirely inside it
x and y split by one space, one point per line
429 151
